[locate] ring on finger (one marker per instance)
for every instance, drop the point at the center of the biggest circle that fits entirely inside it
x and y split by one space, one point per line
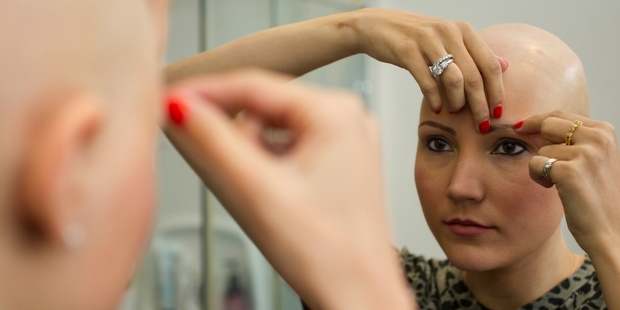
572 128
547 167
440 65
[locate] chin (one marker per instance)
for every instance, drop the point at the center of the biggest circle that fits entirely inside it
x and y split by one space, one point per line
472 258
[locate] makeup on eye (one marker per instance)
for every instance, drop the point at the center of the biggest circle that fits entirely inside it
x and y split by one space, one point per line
438 144
509 147
504 146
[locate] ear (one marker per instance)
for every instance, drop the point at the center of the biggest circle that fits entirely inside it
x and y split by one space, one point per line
55 164
159 10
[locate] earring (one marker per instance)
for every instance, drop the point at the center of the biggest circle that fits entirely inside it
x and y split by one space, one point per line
74 236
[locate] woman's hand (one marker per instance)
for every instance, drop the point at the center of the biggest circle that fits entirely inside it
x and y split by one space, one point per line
414 42
586 175
313 204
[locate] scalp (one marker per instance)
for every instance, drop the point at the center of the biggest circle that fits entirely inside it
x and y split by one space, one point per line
542 69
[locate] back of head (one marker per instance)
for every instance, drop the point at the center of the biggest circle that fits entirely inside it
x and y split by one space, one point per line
542 68
78 86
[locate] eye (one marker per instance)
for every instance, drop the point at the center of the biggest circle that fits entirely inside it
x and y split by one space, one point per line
510 148
436 144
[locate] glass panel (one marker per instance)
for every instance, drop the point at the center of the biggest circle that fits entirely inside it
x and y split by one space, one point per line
346 73
171 276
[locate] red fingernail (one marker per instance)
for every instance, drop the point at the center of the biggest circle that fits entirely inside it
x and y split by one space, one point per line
503 63
438 111
484 126
453 112
518 125
177 109
497 112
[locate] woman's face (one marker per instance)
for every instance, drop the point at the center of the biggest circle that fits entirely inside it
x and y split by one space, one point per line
475 190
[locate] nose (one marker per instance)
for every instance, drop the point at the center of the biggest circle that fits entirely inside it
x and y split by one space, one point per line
468 181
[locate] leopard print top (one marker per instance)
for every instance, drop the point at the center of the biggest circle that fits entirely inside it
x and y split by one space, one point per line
438 285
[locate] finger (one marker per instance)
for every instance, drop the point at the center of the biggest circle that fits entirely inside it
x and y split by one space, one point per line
554 130
250 126
560 152
534 124
536 166
417 66
503 63
452 84
444 96
489 67
215 146
264 94
474 92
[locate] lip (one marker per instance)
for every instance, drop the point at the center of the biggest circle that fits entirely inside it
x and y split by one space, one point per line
467 228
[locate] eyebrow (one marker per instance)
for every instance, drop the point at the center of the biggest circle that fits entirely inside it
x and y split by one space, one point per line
438 125
453 132
501 127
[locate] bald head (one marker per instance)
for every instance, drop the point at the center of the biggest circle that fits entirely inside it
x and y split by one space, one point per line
543 71
70 44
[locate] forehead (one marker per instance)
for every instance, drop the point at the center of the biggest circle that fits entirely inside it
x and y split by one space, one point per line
528 90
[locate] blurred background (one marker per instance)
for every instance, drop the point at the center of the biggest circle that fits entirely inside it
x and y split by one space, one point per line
200 258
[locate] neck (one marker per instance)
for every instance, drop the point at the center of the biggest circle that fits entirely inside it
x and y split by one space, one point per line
527 279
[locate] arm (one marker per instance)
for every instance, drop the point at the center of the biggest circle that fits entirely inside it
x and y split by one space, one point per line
408 40
293 49
586 175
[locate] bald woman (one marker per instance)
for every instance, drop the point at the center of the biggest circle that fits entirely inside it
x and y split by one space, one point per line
483 200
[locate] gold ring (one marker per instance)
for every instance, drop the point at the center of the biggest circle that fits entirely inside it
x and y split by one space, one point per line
547 167
572 128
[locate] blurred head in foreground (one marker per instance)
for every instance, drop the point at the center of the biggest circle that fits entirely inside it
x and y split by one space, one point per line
79 112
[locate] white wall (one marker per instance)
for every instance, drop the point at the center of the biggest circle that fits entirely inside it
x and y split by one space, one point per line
588 27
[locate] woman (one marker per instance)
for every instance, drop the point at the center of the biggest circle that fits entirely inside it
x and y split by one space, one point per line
498 227
490 214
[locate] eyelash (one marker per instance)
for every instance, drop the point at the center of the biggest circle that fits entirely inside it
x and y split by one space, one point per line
431 145
516 143
430 141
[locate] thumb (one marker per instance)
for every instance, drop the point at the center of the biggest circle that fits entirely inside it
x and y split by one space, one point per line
217 149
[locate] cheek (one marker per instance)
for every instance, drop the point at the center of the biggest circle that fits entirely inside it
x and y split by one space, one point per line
525 206
431 183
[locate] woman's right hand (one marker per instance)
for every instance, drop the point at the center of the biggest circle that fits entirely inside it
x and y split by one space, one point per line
414 42
313 204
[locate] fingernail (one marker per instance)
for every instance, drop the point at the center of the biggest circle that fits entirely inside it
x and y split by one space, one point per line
177 109
503 63
484 126
438 111
518 125
497 112
453 112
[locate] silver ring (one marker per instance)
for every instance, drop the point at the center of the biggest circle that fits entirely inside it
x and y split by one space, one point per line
442 59
547 167
440 65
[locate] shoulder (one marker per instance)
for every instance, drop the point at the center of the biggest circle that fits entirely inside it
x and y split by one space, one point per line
419 268
436 283
579 291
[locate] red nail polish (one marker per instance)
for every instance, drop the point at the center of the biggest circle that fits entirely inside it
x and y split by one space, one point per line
177 110
484 126
453 112
497 112
438 111
518 125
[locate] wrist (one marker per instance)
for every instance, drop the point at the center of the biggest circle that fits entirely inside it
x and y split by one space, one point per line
350 25
365 280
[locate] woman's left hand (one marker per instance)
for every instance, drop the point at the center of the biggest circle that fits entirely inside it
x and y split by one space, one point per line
586 175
